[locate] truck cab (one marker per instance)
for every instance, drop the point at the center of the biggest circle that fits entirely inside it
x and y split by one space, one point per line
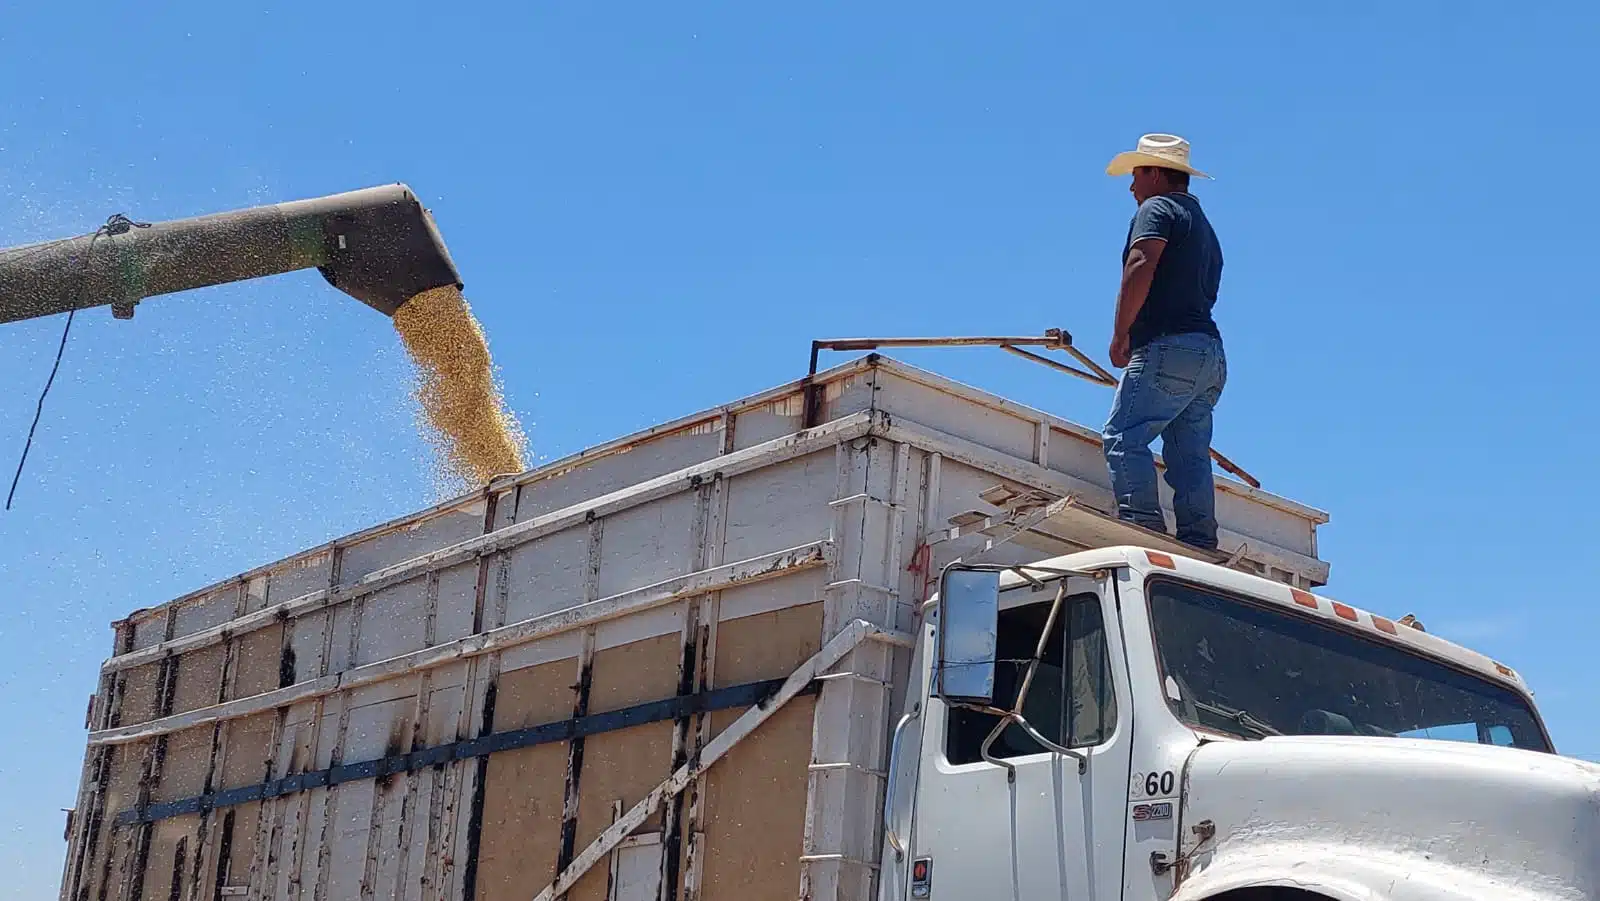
1135 724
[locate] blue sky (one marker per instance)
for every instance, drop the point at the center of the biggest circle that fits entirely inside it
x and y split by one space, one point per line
656 206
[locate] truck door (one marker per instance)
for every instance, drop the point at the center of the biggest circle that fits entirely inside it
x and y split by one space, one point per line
1032 825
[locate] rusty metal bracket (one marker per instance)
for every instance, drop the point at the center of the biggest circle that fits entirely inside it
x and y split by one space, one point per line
1053 339
1160 864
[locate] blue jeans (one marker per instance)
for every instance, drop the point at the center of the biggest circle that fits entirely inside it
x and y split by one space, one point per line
1169 389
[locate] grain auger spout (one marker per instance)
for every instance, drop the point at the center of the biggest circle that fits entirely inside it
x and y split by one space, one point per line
378 245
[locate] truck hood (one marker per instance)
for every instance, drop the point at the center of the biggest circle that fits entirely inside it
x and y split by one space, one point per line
1394 818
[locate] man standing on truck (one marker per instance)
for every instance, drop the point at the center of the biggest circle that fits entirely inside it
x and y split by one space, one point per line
1167 344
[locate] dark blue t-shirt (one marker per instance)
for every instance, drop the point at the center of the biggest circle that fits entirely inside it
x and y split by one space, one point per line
1184 288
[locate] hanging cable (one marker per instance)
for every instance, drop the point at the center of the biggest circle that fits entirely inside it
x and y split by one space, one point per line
116 224
40 408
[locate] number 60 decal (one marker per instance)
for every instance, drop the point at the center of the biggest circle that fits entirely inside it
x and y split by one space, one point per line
1154 785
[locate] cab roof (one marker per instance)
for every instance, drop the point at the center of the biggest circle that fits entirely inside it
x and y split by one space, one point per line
1305 603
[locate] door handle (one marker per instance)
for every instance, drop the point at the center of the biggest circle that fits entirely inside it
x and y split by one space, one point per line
889 786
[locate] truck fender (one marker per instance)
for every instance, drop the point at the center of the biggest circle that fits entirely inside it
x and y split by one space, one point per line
1342 873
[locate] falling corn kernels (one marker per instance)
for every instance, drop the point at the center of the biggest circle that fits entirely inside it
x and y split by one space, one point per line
475 437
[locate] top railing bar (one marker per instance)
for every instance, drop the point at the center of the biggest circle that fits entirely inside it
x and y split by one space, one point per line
1052 339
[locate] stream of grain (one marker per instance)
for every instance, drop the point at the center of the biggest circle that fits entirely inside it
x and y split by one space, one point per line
473 435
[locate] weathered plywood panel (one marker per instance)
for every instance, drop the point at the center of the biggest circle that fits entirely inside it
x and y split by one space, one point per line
779 507
458 588
393 622
775 594
299 576
239 834
211 609
639 626
249 750
769 646
383 841
183 771
623 766
339 649
753 848
307 641
635 673
545 650
1074 455
548 574
521 834
411 540
350 827
997 429
259 659
173 845
378 730
535 695
139 693
301 863
149 628
588 479
648 544
199 679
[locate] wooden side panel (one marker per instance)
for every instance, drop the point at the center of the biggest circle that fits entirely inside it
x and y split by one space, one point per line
756 809
102 872
534 695
234 868
211 609
413 539
521 822
199 677
593 478
393 622
780 506
249 750
1004 431
623 766
634 673
769 646
548 574
299 576
173 845
139 693
259 659
183 772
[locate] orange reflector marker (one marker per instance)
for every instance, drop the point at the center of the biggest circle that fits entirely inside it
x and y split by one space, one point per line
1505 670
1162 560
1385 625
1303 598
1344 612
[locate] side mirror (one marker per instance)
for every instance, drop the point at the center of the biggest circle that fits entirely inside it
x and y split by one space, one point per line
969 623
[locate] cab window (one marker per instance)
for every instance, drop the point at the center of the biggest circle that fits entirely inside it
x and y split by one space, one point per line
1075 666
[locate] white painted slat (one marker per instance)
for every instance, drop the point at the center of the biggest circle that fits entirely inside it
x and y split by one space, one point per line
754 458
757 569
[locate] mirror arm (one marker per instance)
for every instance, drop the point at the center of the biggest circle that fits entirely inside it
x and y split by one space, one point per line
1012 716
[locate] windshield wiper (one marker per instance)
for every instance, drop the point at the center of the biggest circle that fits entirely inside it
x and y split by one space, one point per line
1239 718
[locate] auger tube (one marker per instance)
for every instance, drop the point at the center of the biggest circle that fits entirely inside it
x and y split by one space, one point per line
378 245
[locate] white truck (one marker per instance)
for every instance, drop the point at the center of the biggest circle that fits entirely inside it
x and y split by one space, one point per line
712 662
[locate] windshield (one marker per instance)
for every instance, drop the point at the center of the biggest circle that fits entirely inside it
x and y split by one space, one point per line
1251 671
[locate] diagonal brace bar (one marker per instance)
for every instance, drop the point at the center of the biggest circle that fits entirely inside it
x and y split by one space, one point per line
831 653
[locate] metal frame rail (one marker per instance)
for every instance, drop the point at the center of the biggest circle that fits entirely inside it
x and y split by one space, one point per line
1052 339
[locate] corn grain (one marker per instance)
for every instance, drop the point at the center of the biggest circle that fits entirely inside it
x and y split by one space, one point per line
474 436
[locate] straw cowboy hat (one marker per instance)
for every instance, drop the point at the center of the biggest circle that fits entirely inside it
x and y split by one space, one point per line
1166 151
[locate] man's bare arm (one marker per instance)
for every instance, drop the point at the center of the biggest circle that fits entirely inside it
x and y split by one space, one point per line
1136 275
